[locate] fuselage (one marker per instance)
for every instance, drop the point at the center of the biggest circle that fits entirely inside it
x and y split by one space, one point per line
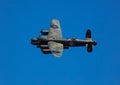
66 42
51 41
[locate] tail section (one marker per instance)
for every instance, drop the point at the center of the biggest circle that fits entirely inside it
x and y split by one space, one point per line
91 43
88 35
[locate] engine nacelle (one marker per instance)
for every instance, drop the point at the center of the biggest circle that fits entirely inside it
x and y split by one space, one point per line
44 32
46 51
43 46
43 37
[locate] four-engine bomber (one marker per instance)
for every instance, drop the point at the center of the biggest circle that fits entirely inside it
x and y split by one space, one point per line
52 42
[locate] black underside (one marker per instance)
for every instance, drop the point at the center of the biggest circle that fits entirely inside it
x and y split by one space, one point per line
66 44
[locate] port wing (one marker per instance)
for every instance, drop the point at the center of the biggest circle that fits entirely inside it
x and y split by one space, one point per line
55 31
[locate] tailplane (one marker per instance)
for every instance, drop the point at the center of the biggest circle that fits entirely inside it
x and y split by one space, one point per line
88 34
89 39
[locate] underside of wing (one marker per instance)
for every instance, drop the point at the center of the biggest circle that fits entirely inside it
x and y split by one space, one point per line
56 48
55 31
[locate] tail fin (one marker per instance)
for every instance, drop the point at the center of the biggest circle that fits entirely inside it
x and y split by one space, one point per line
88 38
88 34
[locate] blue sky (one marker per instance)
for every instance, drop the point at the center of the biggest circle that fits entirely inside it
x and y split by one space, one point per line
24 64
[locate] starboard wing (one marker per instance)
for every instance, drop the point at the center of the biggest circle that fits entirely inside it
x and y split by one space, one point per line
56 48
55 30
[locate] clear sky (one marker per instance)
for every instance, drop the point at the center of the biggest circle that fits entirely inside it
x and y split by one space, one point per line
23 64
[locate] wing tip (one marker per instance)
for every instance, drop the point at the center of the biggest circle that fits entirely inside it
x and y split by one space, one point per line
57 54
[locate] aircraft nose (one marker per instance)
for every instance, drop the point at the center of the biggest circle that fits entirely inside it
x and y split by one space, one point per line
34 41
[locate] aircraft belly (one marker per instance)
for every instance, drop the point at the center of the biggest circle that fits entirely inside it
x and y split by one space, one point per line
76 43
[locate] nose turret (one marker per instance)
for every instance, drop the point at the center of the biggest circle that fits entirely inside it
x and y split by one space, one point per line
34 41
